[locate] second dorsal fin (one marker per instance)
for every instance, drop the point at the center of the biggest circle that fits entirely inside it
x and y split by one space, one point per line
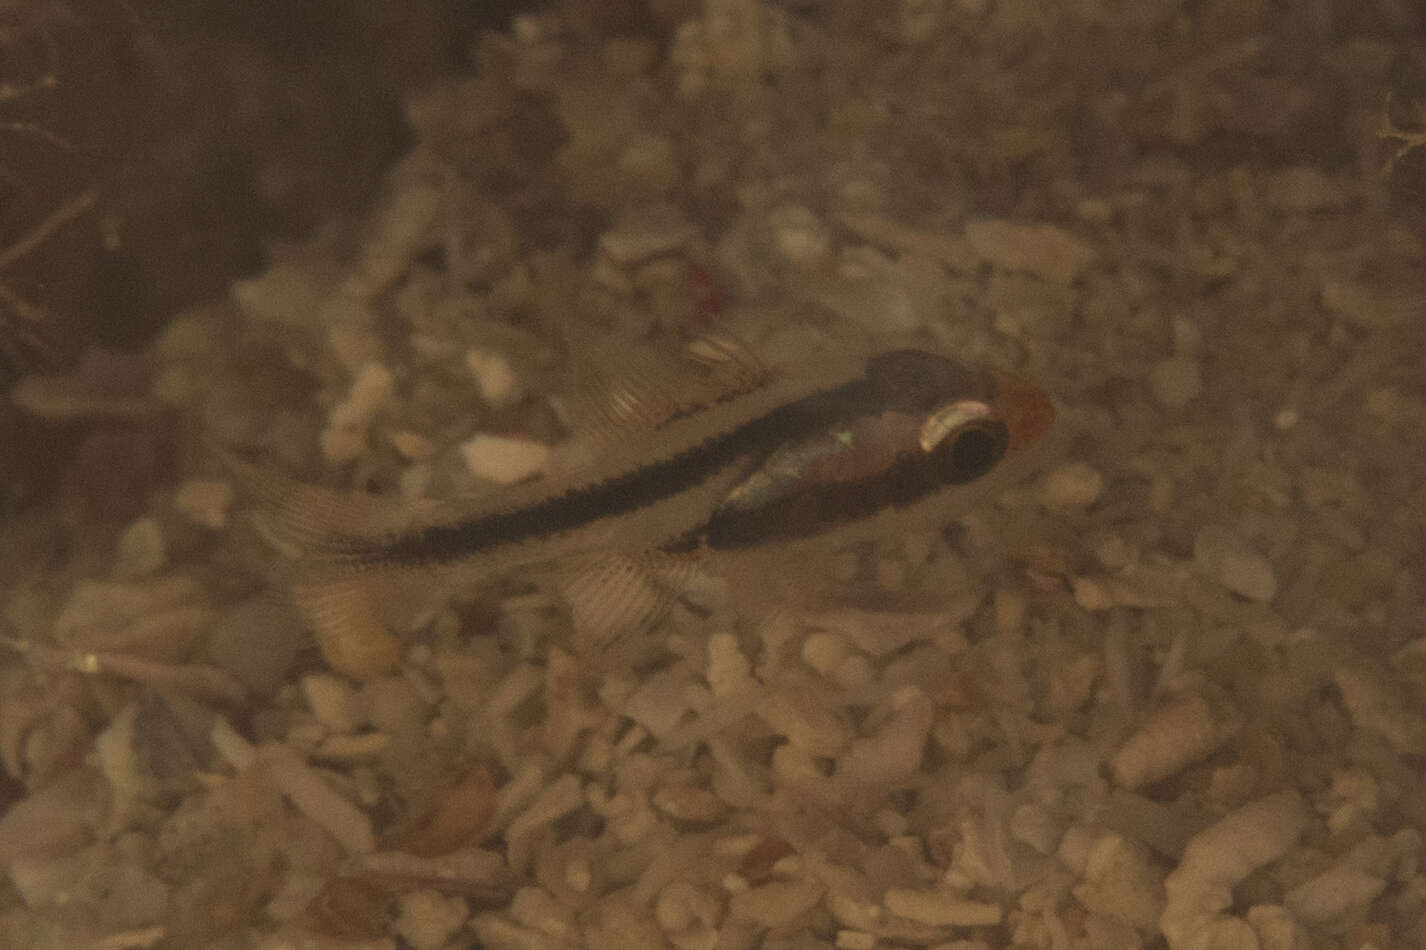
639 390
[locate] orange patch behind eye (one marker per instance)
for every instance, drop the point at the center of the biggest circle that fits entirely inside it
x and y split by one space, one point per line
1025 408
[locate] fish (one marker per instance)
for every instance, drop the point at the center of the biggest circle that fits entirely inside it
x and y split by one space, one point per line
710 456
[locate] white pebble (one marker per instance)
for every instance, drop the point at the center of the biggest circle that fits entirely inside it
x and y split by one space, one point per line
284 293
1276 929
659 703
1332 894
1186 730
344 439
411 445
498 383
352 748
1250 575
808 721
776 904
331 700
1075 485
1219 858
505 459
311 793
824 652
1175 382
800 236
428 919
1218 554
536 908
1120 881
855 940
729 669
940 908
1034 824
205 503
652 231
140 551
1376 706
1053 253
895 751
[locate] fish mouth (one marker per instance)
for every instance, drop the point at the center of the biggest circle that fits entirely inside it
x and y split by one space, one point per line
1025 408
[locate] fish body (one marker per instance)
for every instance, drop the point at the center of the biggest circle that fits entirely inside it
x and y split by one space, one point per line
713 453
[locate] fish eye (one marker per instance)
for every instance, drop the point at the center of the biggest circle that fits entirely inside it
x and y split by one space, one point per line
969 451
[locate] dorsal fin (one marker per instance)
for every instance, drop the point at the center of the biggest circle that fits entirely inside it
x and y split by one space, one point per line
639 390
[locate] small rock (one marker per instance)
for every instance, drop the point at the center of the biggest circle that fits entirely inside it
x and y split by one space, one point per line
499 385
776 904
689 803
1222 557
1367 306
308 789
940 908
1075 485
1376 705
205 503
331 701
538 909
352 748
1054 253
257 641
163 616
344 439
141 550
638 236
824 652
1333 894
659 703
411 445
728 667
799 235
1121 881
1248 574
505 459
894 752
1175 382
288 293
808 722
428 919
1184 730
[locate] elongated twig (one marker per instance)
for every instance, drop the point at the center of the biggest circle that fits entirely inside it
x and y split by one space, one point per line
1407 140
55 220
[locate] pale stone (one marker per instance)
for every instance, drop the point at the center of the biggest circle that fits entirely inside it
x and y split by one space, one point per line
141 550
205 503
1075 485
1053 253
941 908
331 700
496 379
428 919
505 460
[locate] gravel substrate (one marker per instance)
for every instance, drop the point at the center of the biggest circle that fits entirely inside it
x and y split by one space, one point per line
1169 690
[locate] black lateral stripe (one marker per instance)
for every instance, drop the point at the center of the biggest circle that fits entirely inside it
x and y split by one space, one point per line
622 495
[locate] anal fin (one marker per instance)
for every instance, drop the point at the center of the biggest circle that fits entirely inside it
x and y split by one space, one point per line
616 599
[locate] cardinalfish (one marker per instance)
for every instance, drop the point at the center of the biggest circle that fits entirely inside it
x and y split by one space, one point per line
710 454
